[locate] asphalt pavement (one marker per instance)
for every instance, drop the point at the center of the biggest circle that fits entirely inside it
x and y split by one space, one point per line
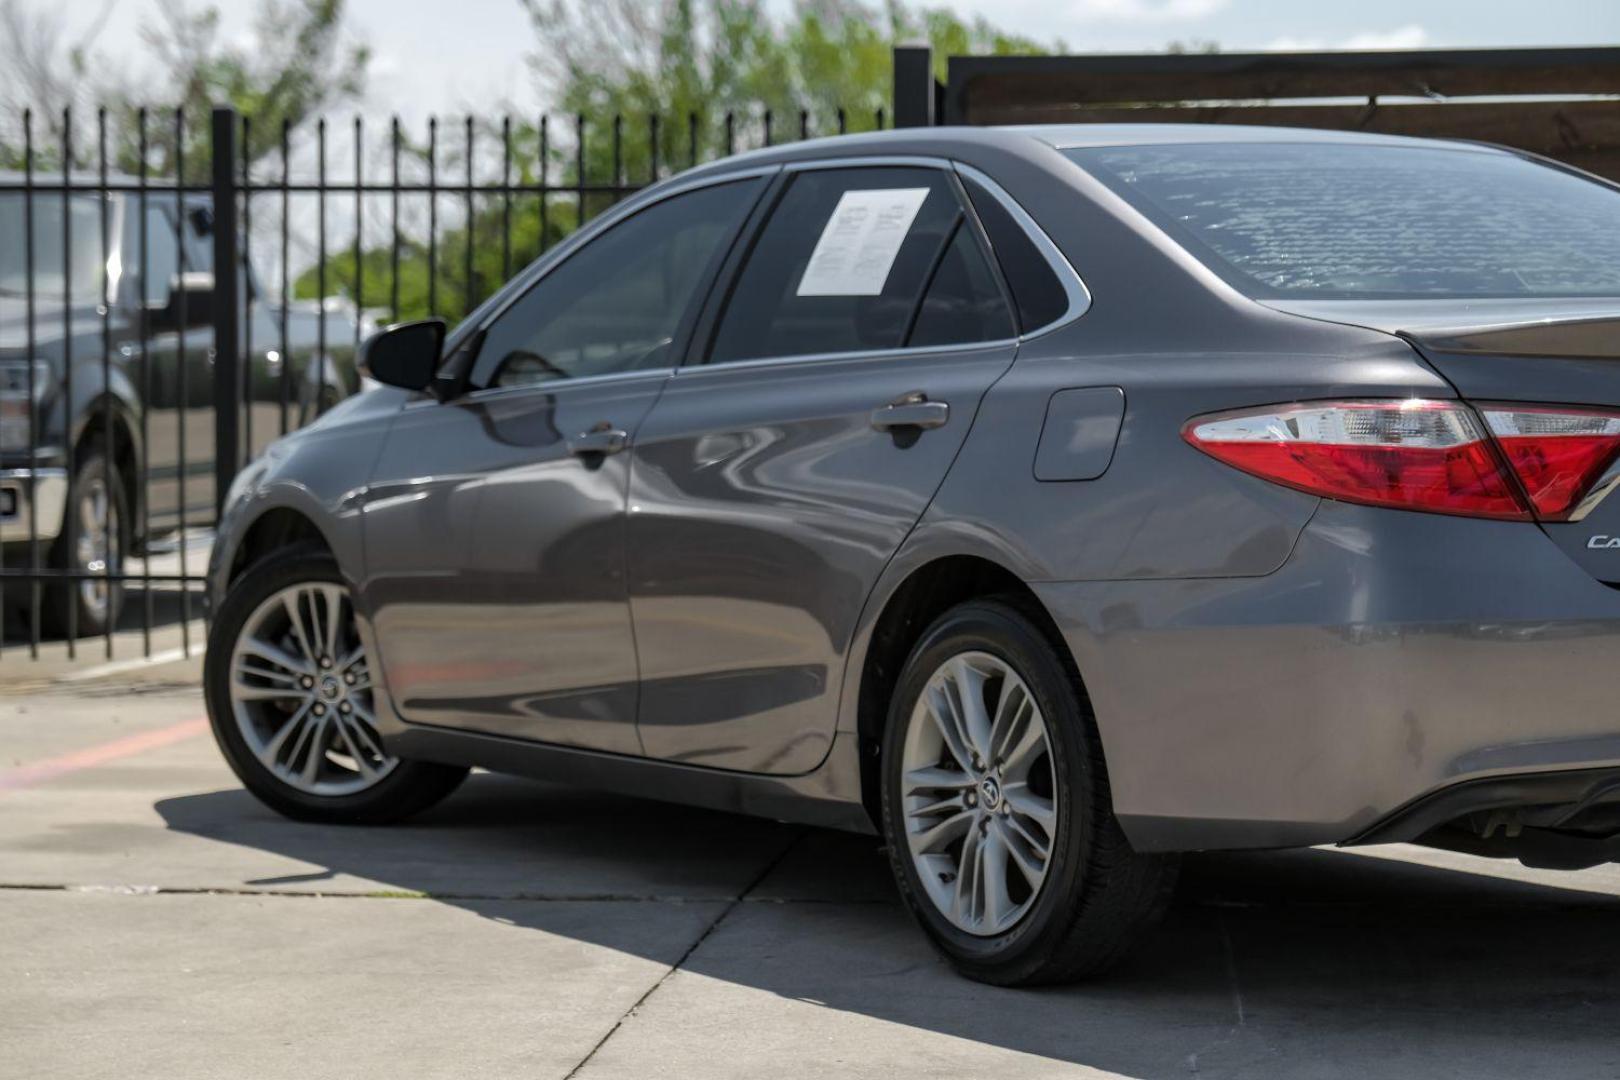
157 921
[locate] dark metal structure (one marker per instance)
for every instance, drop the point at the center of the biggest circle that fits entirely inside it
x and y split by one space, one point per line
1555 102
559 173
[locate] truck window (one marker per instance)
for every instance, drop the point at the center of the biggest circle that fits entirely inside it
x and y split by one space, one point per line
80 274
160 265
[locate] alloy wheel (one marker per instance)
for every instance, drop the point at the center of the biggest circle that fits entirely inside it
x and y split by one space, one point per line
977 788
301 695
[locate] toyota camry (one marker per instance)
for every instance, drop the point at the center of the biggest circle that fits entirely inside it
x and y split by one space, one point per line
1046 501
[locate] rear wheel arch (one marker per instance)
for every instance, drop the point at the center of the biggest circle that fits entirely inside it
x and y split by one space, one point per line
926 593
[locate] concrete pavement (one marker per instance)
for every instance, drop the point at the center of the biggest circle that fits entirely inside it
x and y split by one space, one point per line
156 921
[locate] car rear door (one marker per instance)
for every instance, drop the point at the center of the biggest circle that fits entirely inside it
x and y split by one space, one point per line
494 525
828 388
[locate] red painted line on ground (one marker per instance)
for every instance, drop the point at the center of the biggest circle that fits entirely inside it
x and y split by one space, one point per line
128 746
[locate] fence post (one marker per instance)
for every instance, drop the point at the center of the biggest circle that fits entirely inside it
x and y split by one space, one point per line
913 86
226 307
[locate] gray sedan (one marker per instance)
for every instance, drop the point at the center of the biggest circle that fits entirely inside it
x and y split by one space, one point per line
1048 501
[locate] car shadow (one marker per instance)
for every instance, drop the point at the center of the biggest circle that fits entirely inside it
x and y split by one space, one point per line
1269 964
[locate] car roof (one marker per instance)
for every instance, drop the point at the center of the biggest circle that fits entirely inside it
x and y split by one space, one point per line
1021 139
1074 136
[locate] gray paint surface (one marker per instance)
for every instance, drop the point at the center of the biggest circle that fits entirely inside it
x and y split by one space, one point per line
692 618
1081 430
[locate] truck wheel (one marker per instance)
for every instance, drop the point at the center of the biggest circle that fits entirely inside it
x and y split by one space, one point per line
996 807
93 540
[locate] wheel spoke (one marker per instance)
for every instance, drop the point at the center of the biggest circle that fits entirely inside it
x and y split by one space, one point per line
1028 856
1025 803
942 711
271 754
968 682
316 752
333 599
968 867
275 656
998 902
1013 712
243 691
360 727
932 839
933 778
293 603
1031 744
359 759
246 668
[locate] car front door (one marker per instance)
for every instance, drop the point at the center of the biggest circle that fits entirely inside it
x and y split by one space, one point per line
824 398
494 526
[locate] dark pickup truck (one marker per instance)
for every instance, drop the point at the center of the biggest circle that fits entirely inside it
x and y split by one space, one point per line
101 463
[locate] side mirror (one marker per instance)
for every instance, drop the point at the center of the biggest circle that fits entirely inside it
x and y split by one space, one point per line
192 291
405 354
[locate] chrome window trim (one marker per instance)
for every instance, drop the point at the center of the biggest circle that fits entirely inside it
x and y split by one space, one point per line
798 359
491 393
869 161
1074 285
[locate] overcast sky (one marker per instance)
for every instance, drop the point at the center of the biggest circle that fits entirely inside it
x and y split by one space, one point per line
446 56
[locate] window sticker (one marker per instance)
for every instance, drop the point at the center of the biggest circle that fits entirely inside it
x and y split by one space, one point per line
860 241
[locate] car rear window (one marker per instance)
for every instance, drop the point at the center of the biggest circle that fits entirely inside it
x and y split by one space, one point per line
1369 221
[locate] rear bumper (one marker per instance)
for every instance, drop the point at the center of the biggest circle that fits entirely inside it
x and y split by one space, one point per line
1394 656
32 495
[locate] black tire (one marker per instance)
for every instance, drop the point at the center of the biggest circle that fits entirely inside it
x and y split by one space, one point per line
1098 895
64 606
411 787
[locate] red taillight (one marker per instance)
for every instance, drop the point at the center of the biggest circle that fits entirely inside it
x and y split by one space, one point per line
1413 454
1559 454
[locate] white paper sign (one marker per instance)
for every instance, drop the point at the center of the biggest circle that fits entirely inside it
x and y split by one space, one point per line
858 246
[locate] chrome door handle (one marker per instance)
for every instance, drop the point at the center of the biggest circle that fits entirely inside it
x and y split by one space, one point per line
602 439
912 411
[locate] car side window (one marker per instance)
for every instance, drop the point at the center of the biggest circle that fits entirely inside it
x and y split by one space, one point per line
963 303
615 304
842 265
1037 292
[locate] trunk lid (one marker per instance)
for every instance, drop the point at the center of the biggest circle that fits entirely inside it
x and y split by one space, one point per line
1553 352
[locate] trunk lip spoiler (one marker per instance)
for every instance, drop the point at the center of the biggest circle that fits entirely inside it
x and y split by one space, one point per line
1569 327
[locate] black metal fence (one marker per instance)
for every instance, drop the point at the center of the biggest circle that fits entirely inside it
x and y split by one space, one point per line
139 379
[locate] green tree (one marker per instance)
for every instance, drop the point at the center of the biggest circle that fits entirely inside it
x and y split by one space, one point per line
297 61
654 87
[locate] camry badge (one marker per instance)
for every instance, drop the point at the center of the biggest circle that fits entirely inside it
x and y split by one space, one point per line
1600 541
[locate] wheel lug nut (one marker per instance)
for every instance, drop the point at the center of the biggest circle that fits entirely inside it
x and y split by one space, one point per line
306 682
344 708
326 661
320 710
348 677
